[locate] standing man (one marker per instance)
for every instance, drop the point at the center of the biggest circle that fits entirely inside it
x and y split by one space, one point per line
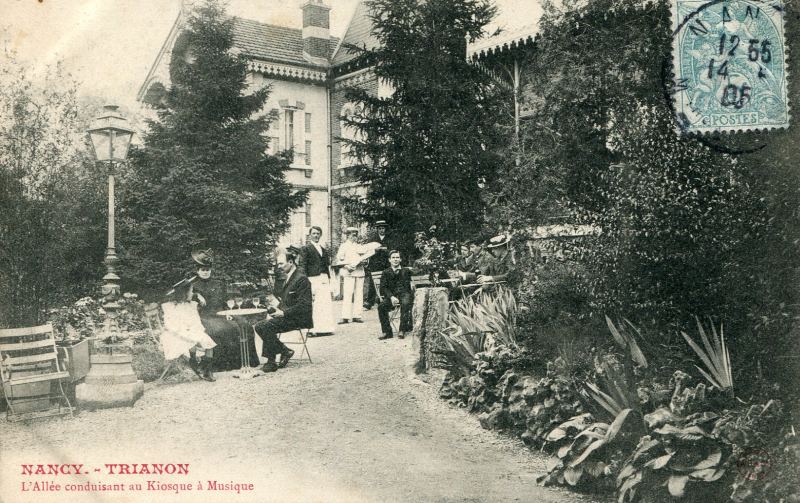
377 262
395 291
314 262
294 312
352 272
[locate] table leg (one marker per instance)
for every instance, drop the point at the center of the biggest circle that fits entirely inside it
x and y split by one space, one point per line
246 372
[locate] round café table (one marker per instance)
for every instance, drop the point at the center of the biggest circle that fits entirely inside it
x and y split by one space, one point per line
246 372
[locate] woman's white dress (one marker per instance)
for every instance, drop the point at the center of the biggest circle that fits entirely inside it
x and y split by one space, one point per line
183 329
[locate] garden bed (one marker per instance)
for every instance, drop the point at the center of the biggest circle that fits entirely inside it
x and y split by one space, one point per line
626 426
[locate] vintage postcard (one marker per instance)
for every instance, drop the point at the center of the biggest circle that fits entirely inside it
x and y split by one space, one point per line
369 251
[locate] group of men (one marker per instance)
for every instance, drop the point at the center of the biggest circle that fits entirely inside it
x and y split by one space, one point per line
483 260
355 263
304 291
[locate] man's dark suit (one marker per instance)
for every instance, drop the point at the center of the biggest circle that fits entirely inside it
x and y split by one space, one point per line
295 302
396 284
377 262
311 263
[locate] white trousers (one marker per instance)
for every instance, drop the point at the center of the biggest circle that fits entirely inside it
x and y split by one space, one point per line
323 305
353 293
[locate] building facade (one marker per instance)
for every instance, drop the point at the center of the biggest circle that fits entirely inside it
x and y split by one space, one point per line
309 72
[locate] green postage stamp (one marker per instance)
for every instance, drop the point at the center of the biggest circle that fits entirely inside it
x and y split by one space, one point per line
729 65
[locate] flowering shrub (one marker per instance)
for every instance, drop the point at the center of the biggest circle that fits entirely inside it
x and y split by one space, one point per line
437 256
84 318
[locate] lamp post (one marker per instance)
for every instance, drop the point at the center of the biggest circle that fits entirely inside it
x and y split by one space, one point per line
111 138
111 381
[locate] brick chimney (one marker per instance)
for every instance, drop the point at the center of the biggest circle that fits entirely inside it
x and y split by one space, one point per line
316 32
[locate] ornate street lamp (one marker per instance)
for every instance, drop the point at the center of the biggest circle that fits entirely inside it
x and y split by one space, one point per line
111 381
111 138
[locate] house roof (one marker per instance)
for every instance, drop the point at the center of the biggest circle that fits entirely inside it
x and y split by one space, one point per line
503 40
359 33
512 23
271 42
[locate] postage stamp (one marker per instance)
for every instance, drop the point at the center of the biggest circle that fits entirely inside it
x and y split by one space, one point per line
729 65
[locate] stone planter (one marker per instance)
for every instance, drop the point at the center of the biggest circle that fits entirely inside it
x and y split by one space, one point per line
74 357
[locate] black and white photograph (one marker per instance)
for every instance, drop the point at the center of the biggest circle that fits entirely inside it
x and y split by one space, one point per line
399 251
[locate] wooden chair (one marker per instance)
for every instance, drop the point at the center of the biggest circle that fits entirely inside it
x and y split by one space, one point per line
303 332
29 361
155 323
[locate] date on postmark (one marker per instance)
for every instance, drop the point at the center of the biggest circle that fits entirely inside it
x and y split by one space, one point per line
729 65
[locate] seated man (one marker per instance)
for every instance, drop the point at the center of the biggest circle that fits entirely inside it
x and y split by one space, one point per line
294 312
502 266
395 290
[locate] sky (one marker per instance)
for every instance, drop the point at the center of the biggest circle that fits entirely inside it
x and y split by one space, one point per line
109 45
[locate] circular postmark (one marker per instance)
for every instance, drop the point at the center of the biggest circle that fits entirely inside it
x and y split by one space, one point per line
728 71
754 464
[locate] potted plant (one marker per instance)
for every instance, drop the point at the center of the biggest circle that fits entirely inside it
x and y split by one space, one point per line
74 325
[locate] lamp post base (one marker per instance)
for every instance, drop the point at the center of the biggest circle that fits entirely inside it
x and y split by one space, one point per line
111 381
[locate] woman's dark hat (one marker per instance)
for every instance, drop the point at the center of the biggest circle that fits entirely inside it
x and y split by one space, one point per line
203 258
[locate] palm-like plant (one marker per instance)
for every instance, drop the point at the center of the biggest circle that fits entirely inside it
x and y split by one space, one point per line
627 342
615 394
715 356
494 313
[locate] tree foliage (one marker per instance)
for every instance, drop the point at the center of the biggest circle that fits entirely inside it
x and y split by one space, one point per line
51 209
686 225
426 150
204 178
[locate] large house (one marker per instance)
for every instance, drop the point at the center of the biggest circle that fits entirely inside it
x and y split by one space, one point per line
309 71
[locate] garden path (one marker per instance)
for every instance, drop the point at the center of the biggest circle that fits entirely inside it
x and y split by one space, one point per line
354 426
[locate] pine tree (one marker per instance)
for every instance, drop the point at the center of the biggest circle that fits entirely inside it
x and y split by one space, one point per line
204 178
425 151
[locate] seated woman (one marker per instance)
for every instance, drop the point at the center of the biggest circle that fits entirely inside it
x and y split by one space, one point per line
211 297
184 332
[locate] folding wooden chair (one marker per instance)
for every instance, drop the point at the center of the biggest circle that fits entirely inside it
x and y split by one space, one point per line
30 371
155 325
303 332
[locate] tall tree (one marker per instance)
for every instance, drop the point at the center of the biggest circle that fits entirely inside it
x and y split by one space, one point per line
51 207
688 225
204 178
425 151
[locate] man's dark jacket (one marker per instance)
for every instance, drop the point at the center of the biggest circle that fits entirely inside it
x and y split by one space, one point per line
380 260
311 263
295 300
395 284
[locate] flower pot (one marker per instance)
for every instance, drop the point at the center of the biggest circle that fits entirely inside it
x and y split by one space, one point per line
74 357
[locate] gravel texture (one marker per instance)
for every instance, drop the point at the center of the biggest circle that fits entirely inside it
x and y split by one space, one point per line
355 425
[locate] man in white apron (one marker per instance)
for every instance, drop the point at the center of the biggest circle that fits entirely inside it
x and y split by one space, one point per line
315 263
350 258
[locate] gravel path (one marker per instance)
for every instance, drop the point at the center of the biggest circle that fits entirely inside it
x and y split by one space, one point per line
354 426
